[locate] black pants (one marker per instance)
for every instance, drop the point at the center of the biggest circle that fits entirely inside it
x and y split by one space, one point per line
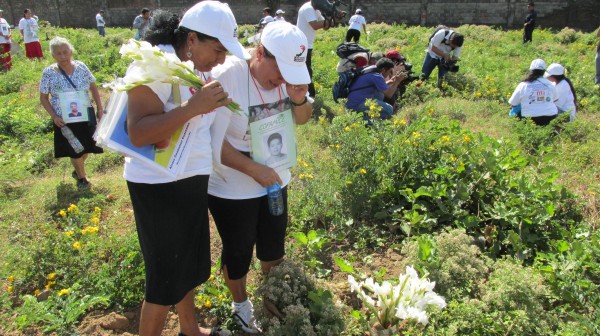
311 86
527 34
353 34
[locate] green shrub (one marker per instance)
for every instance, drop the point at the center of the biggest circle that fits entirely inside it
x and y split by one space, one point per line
452 260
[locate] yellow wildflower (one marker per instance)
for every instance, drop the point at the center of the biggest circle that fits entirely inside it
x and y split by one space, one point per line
77 245
11 278
301 176
395 121
207 304
64 292
363 171
95 220
452 158
96 209
62 213
69 233
36 292
431 148
9 289
72 208
347 129
337 146
211 278
402 122
51 276
477 94
446 138
406 141
416 135
310 176
348 182
466 138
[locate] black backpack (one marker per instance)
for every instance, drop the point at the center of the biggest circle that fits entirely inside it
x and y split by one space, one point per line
341 89
345 49
437 29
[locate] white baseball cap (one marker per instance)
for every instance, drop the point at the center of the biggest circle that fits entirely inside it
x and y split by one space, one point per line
279 11
358 11
289 46
267 19
537 64
554 69
214 18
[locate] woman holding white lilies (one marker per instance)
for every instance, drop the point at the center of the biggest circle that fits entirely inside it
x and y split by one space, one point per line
171 212
271 89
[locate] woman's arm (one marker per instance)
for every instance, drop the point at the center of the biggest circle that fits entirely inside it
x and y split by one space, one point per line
97 100
147 123
45 100
302 110
263 175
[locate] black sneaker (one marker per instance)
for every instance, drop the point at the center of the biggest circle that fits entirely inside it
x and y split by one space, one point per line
75 176
83 183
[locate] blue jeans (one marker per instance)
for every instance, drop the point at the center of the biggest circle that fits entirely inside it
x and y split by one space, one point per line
430 63
101 30
598 67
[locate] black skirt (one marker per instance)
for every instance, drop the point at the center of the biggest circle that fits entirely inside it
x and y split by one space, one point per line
172 226
83 132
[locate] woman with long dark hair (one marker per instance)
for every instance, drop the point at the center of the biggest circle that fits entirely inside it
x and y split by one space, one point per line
536 95
171 212
567 99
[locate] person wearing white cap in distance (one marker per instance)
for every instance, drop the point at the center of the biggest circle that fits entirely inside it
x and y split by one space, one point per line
567 99
171 212
536 95
356 22
279 15
273 81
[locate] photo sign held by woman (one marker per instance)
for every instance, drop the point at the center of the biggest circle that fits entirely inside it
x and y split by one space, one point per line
74 106
171 155
274 140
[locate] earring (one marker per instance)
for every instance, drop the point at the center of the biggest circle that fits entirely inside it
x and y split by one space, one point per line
189 53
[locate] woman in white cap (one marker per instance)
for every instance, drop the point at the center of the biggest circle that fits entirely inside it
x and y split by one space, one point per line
356 22
171 211
567 99
279 15
276 81
536 95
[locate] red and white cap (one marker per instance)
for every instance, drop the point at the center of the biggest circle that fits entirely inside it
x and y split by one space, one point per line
289 46
214 18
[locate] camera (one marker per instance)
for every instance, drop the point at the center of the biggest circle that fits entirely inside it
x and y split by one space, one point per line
329 9
449 65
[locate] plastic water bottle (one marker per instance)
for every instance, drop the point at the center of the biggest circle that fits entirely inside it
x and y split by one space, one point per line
275 198
73 141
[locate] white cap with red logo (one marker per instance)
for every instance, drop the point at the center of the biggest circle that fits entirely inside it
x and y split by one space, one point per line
289 46
214 18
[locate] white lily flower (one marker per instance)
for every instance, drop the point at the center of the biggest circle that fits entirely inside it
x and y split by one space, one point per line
151 64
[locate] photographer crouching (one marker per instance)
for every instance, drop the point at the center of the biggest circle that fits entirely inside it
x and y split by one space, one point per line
442 52
400 66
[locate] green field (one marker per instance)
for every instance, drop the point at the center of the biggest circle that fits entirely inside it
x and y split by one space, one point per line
501 214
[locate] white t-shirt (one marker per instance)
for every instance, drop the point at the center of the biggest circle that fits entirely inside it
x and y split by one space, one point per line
566 100
5 27
438 41
234 76
200 156
99 20
536 98
307 14
356 22
30 30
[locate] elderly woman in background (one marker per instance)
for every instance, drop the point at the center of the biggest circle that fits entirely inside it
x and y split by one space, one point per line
5 32
59 81
567 99
536 95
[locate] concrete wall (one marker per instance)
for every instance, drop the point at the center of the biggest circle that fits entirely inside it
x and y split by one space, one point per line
581 14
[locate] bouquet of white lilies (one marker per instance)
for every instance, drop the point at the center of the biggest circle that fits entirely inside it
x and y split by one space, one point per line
157 65
409 299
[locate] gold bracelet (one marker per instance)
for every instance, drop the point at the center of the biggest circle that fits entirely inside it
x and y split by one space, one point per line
299 104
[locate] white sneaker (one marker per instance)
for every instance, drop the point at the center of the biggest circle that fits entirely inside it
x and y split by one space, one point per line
243 314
